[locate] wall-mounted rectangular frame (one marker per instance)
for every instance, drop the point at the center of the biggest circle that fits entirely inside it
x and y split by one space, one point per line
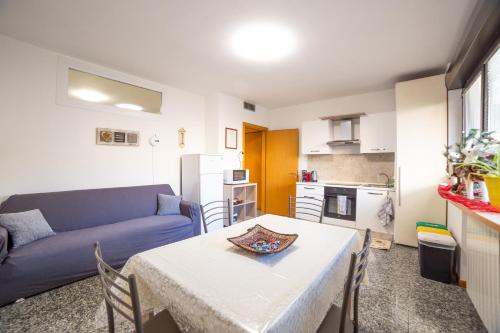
66 64
116 137
231 138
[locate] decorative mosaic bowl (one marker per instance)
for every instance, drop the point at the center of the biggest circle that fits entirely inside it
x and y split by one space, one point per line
263 241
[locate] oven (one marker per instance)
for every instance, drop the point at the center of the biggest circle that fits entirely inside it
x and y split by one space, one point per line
340 203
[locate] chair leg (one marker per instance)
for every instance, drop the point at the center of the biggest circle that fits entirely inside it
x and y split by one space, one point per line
355 319
111 320
290 206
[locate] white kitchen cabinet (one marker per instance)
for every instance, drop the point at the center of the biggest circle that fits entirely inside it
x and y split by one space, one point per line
421 114
368 205
378 133
314 136
310 192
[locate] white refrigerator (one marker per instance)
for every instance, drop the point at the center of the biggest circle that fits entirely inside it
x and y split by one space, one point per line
202 181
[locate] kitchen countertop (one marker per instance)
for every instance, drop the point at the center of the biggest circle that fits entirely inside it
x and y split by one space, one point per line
361 185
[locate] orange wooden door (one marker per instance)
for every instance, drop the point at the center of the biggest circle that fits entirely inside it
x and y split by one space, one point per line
282 157
253 161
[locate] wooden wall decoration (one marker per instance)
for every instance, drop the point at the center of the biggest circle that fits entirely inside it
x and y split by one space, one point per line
182 137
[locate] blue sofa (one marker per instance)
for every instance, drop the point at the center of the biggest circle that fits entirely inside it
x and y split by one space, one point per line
122 219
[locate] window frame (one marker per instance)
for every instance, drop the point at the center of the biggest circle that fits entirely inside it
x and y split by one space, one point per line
467 87
486 97
63 99
481 70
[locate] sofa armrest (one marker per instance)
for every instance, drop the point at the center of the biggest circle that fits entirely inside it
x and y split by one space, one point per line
192 210
4 243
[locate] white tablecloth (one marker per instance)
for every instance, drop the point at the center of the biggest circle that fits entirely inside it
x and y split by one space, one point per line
210 285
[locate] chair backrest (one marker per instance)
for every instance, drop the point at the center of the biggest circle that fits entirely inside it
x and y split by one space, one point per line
309 206
215 211
356 273
119 298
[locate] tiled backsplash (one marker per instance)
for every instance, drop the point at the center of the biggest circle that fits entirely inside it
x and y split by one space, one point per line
356 167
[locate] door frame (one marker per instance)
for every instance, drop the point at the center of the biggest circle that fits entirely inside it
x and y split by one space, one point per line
263 130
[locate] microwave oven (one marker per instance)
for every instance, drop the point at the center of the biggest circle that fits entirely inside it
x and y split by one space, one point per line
238 176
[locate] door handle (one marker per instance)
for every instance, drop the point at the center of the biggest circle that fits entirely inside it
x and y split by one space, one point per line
399 186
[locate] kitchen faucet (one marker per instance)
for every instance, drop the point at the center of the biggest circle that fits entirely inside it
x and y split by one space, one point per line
388 182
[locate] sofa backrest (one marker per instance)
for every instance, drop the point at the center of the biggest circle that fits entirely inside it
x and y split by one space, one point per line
71 210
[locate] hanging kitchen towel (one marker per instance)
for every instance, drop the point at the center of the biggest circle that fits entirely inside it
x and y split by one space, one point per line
386 212
342 205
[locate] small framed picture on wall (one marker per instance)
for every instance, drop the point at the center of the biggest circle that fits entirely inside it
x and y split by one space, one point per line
231 138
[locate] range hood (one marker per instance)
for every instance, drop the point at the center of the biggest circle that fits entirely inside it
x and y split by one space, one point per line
343 133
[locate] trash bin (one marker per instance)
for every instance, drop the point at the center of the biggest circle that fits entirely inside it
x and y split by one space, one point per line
436 255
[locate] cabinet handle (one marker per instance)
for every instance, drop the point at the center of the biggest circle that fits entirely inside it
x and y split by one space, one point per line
374 193
374 149
399 186
314 151
305 196
309 188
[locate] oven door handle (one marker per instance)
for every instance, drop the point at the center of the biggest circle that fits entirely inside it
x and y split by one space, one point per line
336 195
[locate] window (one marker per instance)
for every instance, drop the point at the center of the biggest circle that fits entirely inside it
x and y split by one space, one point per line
472 105
493 93
92 88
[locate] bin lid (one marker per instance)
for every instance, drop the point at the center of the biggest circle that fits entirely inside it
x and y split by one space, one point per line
432 225
433 230
431 239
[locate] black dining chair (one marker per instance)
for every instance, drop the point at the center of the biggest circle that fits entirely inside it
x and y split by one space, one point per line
125 301
338 320
216 211
309 206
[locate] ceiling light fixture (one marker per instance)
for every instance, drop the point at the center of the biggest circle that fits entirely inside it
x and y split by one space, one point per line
262 42
89 95
128 106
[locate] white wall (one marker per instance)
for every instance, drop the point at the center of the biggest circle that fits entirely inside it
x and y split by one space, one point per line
293 116
48 147
227 111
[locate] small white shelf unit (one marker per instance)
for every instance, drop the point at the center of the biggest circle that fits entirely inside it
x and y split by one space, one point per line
242 201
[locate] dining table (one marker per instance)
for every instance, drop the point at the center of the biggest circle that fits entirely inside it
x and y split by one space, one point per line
210 285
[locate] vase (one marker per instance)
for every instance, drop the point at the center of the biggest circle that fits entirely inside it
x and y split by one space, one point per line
469 188
493 185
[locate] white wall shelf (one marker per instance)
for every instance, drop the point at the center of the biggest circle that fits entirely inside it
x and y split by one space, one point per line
242 201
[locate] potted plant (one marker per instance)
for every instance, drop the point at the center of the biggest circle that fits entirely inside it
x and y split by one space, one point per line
478 154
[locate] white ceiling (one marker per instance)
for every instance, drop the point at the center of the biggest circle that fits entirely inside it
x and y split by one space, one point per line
344 46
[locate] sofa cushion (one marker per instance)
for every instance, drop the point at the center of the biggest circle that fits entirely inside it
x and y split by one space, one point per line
69 256
26 227
169 204
72 210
